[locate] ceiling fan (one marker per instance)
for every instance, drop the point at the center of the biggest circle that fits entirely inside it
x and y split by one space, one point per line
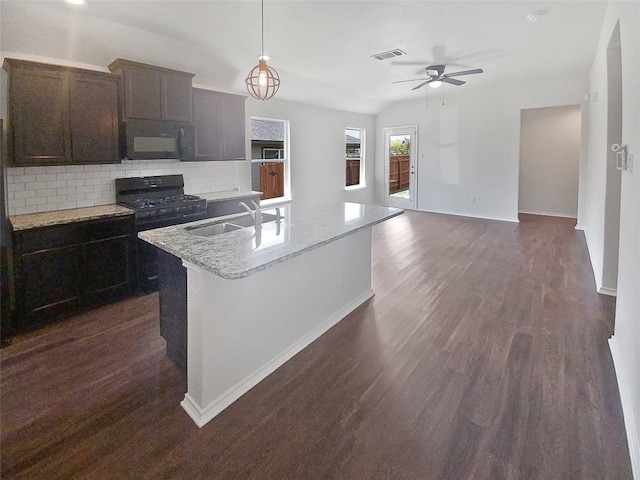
437 77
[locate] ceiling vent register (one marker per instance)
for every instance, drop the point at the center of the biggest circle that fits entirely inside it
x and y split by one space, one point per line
390 54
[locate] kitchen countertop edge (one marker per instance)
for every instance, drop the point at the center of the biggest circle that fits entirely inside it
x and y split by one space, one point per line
28 221
227 195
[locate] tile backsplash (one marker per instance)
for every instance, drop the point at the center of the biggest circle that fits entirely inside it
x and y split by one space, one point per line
42 189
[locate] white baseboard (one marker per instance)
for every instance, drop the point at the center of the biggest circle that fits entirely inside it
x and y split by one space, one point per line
469 215
201 416
612 292
548 214
627 408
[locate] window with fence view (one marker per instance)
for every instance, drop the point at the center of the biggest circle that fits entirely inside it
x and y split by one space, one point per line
269 158
354 157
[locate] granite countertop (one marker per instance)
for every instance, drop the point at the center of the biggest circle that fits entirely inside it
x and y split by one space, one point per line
59 217
227 195
240 253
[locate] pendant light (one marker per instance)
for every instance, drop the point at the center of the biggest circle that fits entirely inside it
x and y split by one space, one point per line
263 81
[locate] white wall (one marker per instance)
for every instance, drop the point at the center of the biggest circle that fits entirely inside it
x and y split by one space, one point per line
625 344
488 143
317 141
549 161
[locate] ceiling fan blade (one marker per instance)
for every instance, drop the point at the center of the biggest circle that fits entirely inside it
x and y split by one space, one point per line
412 80
421 85
465 72
453 81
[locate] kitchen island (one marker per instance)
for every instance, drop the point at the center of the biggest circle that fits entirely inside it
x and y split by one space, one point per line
256 297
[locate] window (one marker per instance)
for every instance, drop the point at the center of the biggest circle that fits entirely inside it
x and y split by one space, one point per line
273 153
270 159
354 141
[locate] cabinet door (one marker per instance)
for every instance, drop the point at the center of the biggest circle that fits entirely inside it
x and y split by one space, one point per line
176 97
142 93
219 121
50 281
38 103
232 128
108 268
94 118
206 108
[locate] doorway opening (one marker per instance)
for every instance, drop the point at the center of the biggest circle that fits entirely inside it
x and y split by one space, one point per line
549 161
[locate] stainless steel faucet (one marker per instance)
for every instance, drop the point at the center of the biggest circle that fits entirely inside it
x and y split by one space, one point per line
256 215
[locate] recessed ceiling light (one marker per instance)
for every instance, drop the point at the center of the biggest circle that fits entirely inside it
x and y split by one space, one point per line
75 2
535 16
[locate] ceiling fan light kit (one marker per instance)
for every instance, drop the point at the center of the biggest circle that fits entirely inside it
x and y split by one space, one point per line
262 81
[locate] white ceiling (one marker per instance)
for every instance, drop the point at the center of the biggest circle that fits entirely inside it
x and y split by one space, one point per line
321 48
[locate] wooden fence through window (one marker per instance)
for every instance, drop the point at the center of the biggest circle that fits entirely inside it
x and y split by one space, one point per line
399 166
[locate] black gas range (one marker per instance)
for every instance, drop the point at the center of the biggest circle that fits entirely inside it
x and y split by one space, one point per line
158 201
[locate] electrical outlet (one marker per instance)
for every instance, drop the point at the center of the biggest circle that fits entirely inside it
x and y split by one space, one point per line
472 199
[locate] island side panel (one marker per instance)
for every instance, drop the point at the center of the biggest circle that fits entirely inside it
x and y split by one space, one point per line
240 331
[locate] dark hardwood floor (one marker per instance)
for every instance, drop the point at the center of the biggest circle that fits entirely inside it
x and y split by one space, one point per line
483 355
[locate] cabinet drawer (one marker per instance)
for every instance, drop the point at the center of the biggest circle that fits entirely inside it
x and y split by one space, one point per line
44 238
101 229
37 239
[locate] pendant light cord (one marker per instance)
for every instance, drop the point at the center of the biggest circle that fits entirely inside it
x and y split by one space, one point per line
262 41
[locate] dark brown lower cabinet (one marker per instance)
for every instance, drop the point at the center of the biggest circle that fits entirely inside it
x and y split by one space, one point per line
62 269
172 292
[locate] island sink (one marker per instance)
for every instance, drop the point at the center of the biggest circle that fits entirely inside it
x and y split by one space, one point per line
215 229
229 225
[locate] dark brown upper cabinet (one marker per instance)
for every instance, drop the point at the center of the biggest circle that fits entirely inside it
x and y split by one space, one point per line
219 121
154 93
60 115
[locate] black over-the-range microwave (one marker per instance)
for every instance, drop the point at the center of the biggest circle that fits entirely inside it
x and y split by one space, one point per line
153 139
